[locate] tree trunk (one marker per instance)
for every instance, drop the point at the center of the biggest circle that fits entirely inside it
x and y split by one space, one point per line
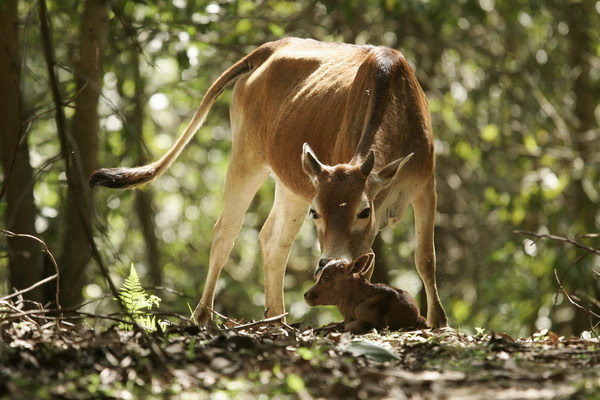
143 208
143 198
584 207
25 258
84 146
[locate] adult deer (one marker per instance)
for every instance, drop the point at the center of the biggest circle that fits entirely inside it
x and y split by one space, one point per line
362 111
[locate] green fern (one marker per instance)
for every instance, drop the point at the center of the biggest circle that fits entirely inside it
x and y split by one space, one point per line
137 303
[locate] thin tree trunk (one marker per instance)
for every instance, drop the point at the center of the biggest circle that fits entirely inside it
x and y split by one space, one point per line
144 210
25 259
584 208
143 198
84 146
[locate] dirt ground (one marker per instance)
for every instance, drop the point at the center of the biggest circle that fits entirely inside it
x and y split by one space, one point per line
67 360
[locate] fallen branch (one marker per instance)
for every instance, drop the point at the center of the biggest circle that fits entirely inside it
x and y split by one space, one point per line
217 314
14 313
262 322
333 327
30 288
42 314
18 313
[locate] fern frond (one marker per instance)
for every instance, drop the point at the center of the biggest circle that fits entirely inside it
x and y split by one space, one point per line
137 302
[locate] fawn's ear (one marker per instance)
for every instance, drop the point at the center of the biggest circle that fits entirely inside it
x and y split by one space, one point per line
363 265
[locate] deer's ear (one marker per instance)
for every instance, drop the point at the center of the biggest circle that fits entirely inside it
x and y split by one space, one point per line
310 163
389 173
363 265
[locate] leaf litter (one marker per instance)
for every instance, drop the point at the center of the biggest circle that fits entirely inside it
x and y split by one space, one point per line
57 359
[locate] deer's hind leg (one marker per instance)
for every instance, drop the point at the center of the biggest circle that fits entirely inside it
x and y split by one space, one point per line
424 209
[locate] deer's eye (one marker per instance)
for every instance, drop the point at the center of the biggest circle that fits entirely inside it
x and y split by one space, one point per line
314 214
364 213
325 278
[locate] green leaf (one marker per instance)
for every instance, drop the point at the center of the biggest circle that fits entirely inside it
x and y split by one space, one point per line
371 351
244 25
306 353
460 310
490 132
531 144
276 30
295 383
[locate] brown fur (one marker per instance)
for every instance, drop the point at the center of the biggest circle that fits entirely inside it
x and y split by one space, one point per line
364 305
336 126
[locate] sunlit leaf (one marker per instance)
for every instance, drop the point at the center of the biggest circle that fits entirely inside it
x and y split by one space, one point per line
370 350
295 383
530 144
276 30
490 133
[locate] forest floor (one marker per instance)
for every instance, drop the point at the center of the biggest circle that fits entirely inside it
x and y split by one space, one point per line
62 360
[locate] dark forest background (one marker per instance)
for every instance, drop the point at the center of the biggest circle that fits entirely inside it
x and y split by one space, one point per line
513 88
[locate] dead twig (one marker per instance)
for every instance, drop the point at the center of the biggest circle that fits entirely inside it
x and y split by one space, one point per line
589 250
589 298
31 315
17 312
262 322
218 315
43 281
333 327
266 321
30 288
589 236
564 240
561 124
172 291
571 300
12 312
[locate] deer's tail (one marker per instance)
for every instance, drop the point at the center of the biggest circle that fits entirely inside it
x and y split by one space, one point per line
123 177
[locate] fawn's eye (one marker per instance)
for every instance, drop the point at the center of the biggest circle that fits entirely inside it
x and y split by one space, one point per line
314 214
325 278
364 213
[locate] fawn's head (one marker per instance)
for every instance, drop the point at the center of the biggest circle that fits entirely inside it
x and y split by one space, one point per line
333 280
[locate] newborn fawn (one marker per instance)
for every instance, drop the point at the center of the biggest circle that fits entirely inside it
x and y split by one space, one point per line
364 305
